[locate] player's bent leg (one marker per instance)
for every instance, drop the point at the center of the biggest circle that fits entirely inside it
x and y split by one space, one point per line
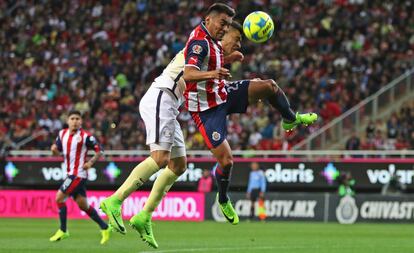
268 89
142 172
260 89
223 175
142 221
91 212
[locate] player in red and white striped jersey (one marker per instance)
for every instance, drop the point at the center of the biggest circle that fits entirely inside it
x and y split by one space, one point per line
75 147
73 143
210 98
205 53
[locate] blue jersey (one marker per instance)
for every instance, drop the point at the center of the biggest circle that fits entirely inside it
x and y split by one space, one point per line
257 180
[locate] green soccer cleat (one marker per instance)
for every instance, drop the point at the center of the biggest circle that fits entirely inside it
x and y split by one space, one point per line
228 211
301 119
112 208
106 234
141 222
59 235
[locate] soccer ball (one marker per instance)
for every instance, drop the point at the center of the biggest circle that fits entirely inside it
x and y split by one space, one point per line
258 26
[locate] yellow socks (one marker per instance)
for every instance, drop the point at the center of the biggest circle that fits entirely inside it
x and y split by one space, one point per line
141 173
161 186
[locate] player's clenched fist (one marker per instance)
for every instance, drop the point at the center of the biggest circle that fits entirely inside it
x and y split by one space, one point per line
221 73
54 149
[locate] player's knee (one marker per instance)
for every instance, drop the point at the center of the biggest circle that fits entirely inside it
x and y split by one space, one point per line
272 85
161 158
178 165
226 161
162 162
59 198
178 170
228 164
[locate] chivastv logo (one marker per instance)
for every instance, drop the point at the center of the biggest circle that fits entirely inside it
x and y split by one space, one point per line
330 173
11 171
112 172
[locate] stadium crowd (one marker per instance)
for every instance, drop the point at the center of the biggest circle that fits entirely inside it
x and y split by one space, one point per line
99 57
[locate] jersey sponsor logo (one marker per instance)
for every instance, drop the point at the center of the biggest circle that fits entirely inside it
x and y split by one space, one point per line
216 136
197 49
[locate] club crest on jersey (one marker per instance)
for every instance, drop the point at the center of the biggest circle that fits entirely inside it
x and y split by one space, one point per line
216 136
197 49
167 132
78 138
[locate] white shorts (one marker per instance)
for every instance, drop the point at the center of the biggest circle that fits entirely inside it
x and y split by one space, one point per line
159 110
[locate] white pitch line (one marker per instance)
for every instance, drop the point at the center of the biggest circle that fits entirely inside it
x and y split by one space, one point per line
221 249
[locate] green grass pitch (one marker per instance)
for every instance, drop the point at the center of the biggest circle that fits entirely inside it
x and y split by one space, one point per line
32 235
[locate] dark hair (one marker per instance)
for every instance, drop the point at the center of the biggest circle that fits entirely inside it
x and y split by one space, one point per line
75 112
221 8
236 25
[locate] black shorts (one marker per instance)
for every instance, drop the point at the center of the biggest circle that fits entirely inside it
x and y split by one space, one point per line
73 186
254 194
212 123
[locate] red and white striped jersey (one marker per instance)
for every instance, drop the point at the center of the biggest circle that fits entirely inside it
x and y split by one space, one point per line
74 148
206 54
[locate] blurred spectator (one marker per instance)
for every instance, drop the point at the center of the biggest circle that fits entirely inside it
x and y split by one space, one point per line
370 131
101 56
353 142
345 184
398 134
205 184
394 186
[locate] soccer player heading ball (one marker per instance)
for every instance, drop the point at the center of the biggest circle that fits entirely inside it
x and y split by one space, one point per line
210 97
204 54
